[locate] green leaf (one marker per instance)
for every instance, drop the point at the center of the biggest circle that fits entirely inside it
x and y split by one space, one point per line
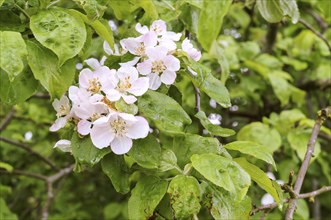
5 212
205 80
165 112
168 161
185 196
213 129
259 177
270 10
13 53
217 52
298 139
185 146
146 152
93 8
112 210
210 21
224 205
262 134
223 172
274 10
59 31
23 86
122 106
102 29
9 21
85 152
254 149
6 166
44 66
117 171
146 195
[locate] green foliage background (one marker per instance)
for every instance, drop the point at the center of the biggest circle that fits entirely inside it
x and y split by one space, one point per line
275 75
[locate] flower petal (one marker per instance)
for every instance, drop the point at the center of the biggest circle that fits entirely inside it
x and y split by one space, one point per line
84 127
93 63
145 67
63 145
168 77
107 48
84 77
101 136
172 63
58 124
140 129
113 95
157 53
154 81
129 99
141 29
139 87
121 145
128 117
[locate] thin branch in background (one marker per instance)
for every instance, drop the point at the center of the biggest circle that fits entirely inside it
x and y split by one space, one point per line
5 122
41 96
271 37
323 25
323 114
30 150
318 34
24 173
197 99
301 196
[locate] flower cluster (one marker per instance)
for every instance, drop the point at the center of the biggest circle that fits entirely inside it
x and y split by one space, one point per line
92 104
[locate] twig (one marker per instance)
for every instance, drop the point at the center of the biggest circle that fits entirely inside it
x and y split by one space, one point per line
323 114
301 196
319 20
41 96
318 34
5 122
197 99
28 149
50 195
24 173
271 37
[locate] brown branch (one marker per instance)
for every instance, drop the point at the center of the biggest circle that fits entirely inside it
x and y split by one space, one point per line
301 196
321 23
271 37
318 34
24 173
323 114
30 150
5 122
197 99
50 194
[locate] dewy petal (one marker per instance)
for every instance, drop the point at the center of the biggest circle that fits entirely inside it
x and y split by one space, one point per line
157 53
139 86
129 99
172 63
84 77
154 81
139 129
145 67
58 124
113 95
84 127
168 77
121 145
101 136
141 29
63 145
93 63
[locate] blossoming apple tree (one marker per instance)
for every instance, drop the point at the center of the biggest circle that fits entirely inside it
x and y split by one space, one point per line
164 109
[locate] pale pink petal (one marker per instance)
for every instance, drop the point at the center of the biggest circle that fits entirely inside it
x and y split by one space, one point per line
145 67
141 29
58 124
121 145
101 136
84 127
103 121
172 63
195 54
93 63
107 48
149 39
139 129
113 95
128 117
159 27
130 63
127 71
171 36
63 145
130 44
156 53
139 87
154 81
129 99
84 77
169 44
168 77
186 45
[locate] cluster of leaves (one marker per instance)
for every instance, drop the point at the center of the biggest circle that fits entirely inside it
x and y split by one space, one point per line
274 75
